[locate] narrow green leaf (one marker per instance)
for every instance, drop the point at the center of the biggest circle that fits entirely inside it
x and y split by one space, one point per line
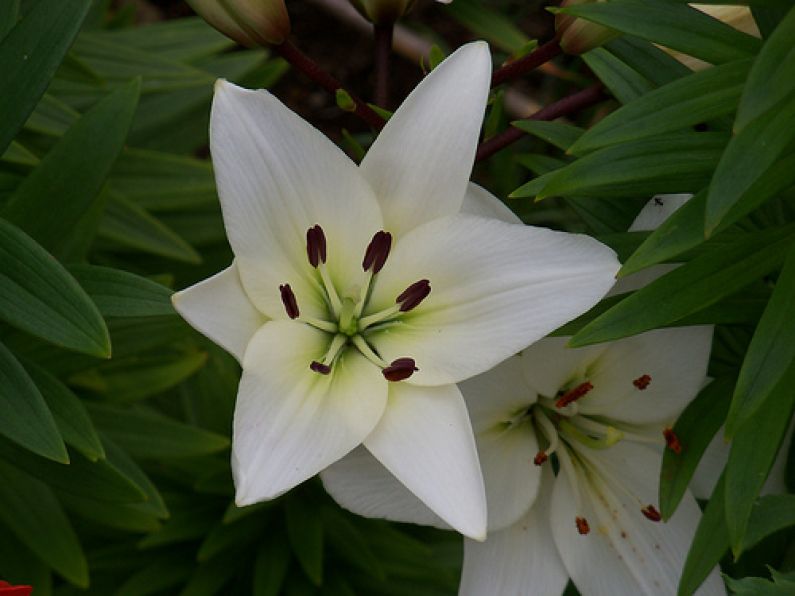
147 434
772 77
676 26
488 24
752 454
305 533
186 523
624 82
700 283
768 15
29 56
685 102
770 514
118 293
656 65
709 544
559 134
39 296
270 568
349 543
9 13
69 178
26 418
33 513
695 428
771 353
163 575
673 163
225 537
69 412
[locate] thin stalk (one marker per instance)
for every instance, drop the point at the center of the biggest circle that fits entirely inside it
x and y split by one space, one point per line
541 55
383 51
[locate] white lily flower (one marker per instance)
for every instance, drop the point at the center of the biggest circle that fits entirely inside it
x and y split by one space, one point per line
359 296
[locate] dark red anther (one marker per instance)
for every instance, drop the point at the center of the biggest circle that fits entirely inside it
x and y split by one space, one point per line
672 441
320 368
540 458
651 513
582 525
288 299
642 382
400 369
573 395
7 589
377 251
413 295
316 245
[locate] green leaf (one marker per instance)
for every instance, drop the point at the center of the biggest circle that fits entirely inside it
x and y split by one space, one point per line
29 56
167 572
709 544
782 585
26 419
69 412
656 65
559 134
39 296
668 164
225 537
746 159
685 102
349 544
118 293
9 13
770 354
124 464
33 513
700 283
772 77
770 514
147 434
676 26
624 82
488 24
305 533
695 428
270 568
70 177
752 454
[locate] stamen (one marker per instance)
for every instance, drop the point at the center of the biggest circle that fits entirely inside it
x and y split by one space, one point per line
377 251
319 367
316 245
548 429
611 437
642 382
334 349
377 317
400 369
672 441
288 299
366 351
651 513
582 525
574 394
540 458
413 295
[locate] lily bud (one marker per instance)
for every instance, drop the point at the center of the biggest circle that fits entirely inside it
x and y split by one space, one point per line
248 22
383 12
577 35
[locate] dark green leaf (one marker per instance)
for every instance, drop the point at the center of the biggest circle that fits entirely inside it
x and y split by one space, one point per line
656 65
624 82
26 420
559 134
29 55
489 24
349 544
167 572
233 536
9 13
270 568
305 532
118 293
770 514
39 296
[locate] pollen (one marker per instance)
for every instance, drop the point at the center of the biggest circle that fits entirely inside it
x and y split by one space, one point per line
400 369
319 367
289 301
574 394
642 382
672 441
582 525
651 513
377 252
540 458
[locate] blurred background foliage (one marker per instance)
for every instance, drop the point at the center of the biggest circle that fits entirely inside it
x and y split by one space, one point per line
115 416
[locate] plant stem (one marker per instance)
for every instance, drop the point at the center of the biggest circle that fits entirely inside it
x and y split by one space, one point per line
383 51
311 69
563 107
541 55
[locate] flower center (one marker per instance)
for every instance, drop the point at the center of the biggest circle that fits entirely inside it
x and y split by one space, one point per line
345 324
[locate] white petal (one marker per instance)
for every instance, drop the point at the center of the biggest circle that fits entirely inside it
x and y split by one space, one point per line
421 161
362 485
495 399
277 176
520 560
675 359
479 201
550 366
219 308
290 422
425 439
624 553
657 211
496 288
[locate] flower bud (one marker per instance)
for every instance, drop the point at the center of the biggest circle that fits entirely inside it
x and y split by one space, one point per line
248 22
383 12
577 35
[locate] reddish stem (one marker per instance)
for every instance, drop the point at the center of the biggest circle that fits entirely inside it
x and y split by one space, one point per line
541 55
310 68
383 51
563 107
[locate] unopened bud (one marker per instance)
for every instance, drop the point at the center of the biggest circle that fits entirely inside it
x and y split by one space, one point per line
345 101
383 12
577 35
248 22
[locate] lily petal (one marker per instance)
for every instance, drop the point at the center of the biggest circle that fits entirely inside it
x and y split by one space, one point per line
496 288
520 559
362 485
479 201
421 161
277 176
290 422
549 365
219 308
675 362
425 440
657 211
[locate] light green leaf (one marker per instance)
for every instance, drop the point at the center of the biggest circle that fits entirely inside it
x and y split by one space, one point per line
770 514
39 296
118 293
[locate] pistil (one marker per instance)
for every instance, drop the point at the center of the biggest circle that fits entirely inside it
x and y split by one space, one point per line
611 437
